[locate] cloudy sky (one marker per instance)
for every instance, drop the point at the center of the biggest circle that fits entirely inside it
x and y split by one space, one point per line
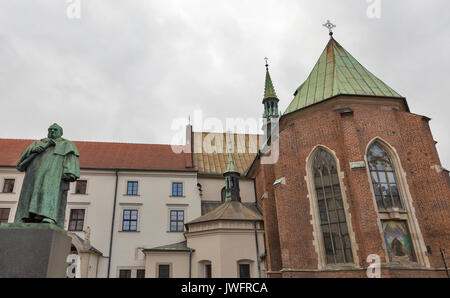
125 70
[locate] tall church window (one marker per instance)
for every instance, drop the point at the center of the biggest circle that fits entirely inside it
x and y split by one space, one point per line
331 210
383 178
392 212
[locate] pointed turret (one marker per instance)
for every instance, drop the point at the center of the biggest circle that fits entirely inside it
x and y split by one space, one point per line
231 191
270 100
270 103
338 73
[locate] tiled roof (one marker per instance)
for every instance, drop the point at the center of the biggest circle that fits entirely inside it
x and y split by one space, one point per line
208 161
208 206
231 210
337 72
103 155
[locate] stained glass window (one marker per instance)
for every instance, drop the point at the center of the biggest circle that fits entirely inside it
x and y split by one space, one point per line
331 210
398 242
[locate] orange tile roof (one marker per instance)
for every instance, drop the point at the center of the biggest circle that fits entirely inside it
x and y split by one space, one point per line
208 161
103 155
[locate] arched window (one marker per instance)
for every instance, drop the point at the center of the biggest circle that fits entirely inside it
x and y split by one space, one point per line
394 218
331 209
383 178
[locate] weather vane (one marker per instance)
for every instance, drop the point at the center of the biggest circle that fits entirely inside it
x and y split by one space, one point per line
267 64
329 26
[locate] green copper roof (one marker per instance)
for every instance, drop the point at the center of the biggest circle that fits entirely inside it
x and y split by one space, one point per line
269 90
337 72
231 167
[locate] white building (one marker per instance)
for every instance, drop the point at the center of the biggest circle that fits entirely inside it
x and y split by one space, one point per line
128 212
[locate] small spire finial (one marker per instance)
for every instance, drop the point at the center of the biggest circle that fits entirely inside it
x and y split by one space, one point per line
329 26
267 64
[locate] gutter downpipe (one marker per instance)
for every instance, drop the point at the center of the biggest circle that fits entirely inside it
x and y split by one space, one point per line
112 223
190 263
258 259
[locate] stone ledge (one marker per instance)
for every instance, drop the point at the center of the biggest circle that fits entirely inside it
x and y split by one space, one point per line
33 226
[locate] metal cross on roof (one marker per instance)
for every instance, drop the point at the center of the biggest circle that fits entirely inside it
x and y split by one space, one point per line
267 64
329 26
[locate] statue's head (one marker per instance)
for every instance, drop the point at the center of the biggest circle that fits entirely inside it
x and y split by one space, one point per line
55 131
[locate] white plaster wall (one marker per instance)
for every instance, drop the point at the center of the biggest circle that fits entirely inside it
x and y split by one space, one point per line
178 261
224 244
154 203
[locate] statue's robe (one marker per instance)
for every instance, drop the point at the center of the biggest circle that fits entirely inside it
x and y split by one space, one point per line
44 192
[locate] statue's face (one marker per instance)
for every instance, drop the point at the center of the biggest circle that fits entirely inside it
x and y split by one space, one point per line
53 133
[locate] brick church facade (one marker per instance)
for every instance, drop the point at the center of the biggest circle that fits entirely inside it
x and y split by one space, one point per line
358 174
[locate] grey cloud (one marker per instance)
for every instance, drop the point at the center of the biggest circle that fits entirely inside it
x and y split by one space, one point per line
126 69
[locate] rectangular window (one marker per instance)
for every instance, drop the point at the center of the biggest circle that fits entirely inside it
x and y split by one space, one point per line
130 218
132 188
244 270
177 189
208 271
176 220
76 220
140 273
163 271
125 273
80 187
4 214
398 241
8 186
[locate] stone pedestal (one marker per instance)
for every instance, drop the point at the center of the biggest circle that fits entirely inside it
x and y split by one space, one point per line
33 250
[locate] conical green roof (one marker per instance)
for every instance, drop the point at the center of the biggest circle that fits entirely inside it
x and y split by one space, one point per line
337 72
269 90
231 167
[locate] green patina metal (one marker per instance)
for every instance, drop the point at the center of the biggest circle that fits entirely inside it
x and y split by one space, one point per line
231 167
269 90
50 165
337 72
270 100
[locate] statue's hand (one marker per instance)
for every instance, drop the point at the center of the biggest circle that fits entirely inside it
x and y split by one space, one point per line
69 177
38 149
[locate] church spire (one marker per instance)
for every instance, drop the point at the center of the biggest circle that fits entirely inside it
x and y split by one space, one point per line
269 90
270 103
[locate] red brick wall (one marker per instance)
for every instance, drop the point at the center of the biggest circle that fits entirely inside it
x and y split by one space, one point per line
272 242
348 135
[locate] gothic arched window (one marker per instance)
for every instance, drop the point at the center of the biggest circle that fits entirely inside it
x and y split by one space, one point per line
333 224
383 178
